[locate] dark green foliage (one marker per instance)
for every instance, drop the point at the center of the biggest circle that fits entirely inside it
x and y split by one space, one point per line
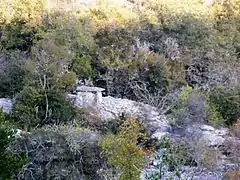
9 164
83 66
61 109
113 126
30 108
12 73
77 37
227 103
156 79
115 47
18 36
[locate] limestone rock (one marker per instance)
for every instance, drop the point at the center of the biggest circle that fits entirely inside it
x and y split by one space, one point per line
210 135
6 105
111 108
156 124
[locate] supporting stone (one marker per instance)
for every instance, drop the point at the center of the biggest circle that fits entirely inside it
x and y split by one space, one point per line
89 96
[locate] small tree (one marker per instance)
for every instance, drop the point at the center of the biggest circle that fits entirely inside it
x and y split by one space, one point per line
123 152
12 73
42 101
226 103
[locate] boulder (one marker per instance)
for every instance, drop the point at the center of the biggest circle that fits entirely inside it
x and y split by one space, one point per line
6 105
211 136
156 124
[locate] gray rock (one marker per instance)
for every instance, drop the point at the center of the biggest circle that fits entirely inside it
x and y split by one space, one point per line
156 124
208 134
159 135
207 128
195 132
6 105
111 108
89 89
212 139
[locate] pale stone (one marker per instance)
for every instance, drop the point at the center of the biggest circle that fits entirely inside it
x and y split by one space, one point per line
6 105
207 128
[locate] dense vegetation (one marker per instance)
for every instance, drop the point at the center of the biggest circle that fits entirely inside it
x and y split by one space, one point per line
140 50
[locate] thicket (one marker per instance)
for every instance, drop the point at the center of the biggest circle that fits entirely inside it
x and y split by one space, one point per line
227 104
141 50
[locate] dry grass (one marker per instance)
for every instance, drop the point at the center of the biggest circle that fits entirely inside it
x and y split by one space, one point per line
236 129
211 158
233 175
90 117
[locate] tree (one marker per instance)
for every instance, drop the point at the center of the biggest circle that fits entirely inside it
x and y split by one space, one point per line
123 152
12 73
42 100
21 19
227 104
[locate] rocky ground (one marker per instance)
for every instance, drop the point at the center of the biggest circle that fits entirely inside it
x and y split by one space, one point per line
202 139
215 150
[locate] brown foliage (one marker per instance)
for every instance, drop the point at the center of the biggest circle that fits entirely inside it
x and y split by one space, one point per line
90 117
233 175
236 129
232 150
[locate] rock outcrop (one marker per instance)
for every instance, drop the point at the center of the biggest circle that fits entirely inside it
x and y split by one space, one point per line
211 136
111 108
202 140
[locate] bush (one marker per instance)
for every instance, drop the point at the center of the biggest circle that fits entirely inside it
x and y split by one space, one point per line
20 27
227 104
180 107
77 38
122 151
115 47
27 107
30 108
12 73
17 36
169 157
62 152
9 164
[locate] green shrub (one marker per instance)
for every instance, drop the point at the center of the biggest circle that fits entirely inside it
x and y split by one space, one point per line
83 66
61 110
215 117
21 25
12 73
9 164
30 109
115 47
68 81
27 107
226 103
122 151
75 150
77 38
179 108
